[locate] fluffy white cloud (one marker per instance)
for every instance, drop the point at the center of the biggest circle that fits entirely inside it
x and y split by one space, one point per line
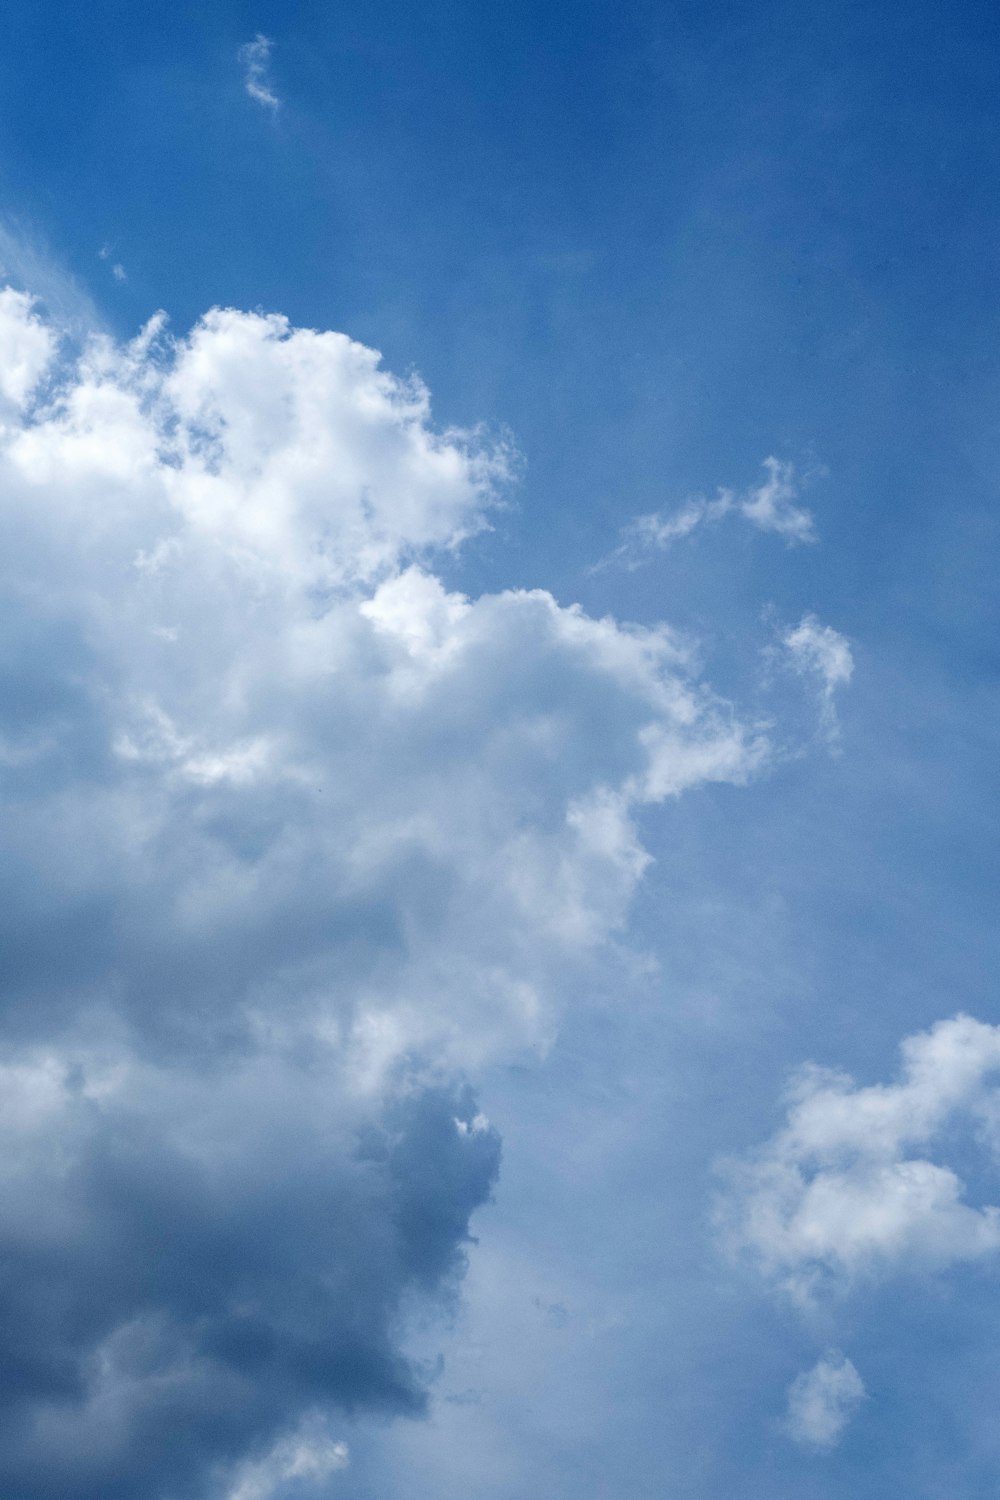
843 1191
822 1401
773 505
292 727
292 834
28 346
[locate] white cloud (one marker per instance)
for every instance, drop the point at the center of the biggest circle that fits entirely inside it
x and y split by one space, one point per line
318 833
822 1401
240 523
822 653
773 505
310 1456
28 345
842 1191
255 59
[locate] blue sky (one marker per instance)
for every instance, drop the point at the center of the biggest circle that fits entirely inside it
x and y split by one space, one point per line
405 839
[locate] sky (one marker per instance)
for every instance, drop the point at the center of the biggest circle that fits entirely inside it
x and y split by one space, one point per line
498 751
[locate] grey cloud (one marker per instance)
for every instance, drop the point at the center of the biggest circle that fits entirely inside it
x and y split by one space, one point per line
176 1290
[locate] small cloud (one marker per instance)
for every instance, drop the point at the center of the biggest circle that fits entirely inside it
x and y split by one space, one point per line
117 269
824 654
255 59
822 1401
657 532
310 1455
771 505
848 1189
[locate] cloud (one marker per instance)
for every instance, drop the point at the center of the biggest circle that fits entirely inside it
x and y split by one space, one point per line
205 1253
843 1190
306 1458
255 60
293 839
29 264
29 346
822 653
770 506
117 269
822 1401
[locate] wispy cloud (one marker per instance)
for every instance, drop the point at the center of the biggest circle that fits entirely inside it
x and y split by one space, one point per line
117 269
773 505
255 59
823 654
29 262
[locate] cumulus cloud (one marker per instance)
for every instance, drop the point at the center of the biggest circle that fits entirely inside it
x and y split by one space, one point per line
848 1187
293 838
822 1401
255 60
773 505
